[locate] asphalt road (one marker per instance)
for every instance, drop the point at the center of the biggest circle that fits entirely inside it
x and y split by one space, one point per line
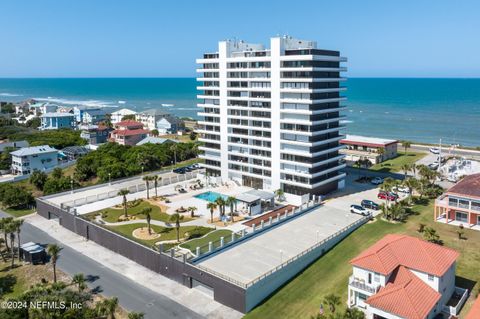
131 295
459 152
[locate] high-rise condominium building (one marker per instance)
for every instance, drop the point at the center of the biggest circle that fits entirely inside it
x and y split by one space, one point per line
271 117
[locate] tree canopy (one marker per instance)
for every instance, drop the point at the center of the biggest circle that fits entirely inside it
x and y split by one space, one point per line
123 161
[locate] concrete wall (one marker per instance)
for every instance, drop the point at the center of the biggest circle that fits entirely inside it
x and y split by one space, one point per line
265 287
224 292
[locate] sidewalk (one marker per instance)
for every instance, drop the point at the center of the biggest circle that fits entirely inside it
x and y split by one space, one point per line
193 299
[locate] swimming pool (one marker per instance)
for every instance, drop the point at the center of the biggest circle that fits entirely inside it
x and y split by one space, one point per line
211 196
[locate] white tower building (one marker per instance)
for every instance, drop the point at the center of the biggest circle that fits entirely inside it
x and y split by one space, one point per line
271 117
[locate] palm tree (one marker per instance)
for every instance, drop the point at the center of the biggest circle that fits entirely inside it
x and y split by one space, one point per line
79 280
406 145
405 168
174 148
147 180
156 180
11 231
18 224
211 206
136 315
176 218
354 313
124 192
381 152
231 200
54 251
192 210
4 222
413 168
146 211
110 307
1 250
411 183
332 301
279 192
221 205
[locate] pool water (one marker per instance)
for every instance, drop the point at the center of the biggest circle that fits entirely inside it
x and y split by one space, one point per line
211 196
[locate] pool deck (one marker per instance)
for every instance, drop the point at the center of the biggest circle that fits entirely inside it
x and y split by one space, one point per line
256 256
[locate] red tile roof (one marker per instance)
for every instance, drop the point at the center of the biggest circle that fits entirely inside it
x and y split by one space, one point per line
400 250
405 295
130 132
469 186
475 310
128 123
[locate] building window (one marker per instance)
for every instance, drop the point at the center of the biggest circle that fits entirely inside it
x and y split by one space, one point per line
430 277
369 278
461 217
376 278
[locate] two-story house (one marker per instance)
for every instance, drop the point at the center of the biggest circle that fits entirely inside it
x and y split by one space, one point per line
403 277
95 134
54 121
27 159
150 118
460 205
128 133
117 116
170 125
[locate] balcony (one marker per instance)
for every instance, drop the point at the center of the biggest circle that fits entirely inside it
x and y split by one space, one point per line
354 282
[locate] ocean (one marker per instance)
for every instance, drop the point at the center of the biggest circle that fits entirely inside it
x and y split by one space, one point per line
423 110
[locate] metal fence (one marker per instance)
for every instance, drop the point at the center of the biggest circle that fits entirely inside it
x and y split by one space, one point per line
139 187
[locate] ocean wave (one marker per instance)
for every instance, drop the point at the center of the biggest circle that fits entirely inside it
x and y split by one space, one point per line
186 108
346 121
93 103
10 94
122 102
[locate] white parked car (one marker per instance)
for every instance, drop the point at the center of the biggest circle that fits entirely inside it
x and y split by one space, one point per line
357 209
377 181
402 189
434 150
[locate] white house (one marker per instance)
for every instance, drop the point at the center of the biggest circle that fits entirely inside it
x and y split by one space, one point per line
169 125
403 277
150 118
117 116
27 159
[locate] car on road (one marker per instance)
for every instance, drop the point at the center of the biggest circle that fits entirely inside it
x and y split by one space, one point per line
434 150
180 170
387 196
433 165
377 181
402 189
357 209
370 204
195 166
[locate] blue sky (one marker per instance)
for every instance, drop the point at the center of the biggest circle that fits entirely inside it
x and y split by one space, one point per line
126 38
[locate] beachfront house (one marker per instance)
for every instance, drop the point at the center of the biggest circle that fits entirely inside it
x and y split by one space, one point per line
27 159
117 116
460 205
94 134
150 118
94 116
169 125
128 133
405 277
376 150
54 121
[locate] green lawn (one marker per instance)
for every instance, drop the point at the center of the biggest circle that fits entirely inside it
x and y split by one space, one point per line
111 215
202 242
19 212
395 164
167 233
302 296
